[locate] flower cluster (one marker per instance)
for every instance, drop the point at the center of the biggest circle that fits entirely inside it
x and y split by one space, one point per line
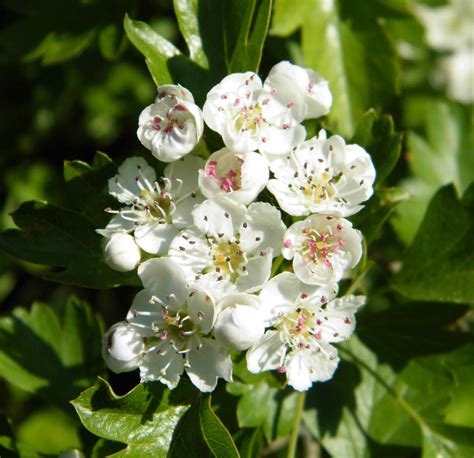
204 245
449 31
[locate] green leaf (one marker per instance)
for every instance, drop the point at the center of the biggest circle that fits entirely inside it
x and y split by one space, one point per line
112 42
439 156
284 23
275 412
58 30
214 432
156 49
9 446
459 411
87 186
350 48
188 21
370 410
69 345
144 419
377 135
253 22
50 431
412 329
252 443
54 236
445 156
7 442
201 433
374 215
439 265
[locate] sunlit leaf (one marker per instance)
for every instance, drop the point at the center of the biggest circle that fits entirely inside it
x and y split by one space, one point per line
69 347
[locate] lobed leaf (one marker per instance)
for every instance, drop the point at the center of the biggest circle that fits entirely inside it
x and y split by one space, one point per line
57 237
69 345
439 265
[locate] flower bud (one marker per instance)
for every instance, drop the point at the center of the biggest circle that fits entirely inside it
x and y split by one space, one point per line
122 347
240 323
121 252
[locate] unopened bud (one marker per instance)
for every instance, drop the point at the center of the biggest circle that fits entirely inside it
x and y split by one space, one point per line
122 347
239 325
121 252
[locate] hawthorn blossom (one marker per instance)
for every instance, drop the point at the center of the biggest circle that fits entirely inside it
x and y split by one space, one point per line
239 323
156 209
121 252
323 176
449 30
172 126
456 71
236 242
322 248
308 91
305 320
250 117
175 321
240 177
448 27
122 348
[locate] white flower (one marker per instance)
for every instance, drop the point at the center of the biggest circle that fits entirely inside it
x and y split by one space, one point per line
240 322
172 126
156 210
122 347
235 242
175 321
305 321
323 176
239 177
121 252
448 27
457 72
303 86
322 248
249 117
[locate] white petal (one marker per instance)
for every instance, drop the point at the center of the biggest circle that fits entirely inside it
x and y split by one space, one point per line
182 217
258 272
165 366
219 218
190 250
116 224
143 313
285 292
155 238
208 363
165 279
290 202
267 354
306 366
183 175
124 185
202 309
277 140
217 289
264 229
338 321
301 86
